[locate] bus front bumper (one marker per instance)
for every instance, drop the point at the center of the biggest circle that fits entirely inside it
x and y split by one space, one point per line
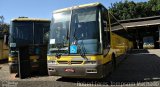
81 71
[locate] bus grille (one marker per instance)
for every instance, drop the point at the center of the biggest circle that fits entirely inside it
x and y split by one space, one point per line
70 62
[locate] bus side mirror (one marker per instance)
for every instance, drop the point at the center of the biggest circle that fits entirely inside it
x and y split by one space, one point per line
6 39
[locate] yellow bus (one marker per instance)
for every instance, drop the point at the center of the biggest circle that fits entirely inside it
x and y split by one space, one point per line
3 48
148 42
3 43
30 32
86 41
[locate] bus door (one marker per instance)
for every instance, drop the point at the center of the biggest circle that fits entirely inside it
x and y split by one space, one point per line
24 68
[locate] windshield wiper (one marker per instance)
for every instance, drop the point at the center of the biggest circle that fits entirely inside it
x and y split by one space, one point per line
82 50
80 46
58 46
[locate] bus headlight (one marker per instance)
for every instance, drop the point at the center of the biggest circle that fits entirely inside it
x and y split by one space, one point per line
90 62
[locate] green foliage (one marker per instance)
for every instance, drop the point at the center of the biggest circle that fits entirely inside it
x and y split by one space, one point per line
130 9
4 29
155 4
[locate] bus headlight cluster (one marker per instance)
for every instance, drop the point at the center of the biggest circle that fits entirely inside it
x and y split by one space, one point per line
90 62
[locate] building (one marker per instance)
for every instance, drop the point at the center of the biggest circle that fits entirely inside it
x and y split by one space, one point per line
145 31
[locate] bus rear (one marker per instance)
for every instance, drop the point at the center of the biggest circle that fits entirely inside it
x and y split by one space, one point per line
29 32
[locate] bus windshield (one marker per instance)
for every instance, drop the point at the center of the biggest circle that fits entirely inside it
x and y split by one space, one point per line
79 28
59 30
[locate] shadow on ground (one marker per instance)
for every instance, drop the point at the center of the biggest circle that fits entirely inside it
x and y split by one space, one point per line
136 67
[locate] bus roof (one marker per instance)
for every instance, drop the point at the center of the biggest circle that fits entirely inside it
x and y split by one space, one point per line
30 19
78 6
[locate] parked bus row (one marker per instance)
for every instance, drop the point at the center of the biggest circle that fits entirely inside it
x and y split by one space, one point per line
84 41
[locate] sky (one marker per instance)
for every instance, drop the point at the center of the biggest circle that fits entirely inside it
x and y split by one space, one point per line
42 8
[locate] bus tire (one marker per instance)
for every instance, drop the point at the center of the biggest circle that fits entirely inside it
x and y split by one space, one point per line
113 61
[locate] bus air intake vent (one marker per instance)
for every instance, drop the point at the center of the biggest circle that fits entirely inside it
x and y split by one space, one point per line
70 62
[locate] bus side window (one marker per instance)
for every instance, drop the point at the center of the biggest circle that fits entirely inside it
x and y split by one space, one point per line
106 32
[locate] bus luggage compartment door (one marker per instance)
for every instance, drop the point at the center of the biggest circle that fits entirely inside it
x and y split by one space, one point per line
43 60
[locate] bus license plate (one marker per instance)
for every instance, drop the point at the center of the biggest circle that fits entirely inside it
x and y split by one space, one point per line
69 70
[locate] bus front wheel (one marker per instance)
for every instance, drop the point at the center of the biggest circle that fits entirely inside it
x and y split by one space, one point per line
113 61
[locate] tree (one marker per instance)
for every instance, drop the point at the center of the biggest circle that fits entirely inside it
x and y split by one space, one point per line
155 4
130 9
4 28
